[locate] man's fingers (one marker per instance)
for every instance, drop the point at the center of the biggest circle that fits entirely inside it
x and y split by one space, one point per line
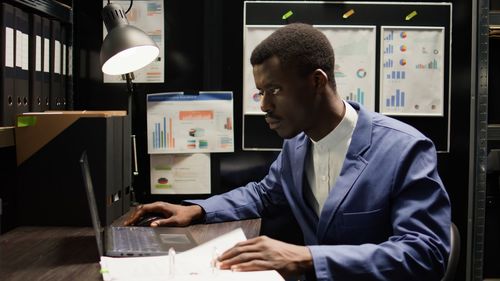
141 210
249 245
150 208
164 222
253 265
243 257
138 212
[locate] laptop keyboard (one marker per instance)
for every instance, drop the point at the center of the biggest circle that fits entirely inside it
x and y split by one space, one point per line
135 239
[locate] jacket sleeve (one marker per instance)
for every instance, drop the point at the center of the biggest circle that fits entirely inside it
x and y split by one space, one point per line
249 201
419 246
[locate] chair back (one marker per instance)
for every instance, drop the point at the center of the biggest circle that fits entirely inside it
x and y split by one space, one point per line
451 267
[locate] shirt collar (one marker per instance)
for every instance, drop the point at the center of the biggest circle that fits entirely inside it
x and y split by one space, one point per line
343 130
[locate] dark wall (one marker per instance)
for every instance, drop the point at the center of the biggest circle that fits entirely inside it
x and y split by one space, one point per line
204 40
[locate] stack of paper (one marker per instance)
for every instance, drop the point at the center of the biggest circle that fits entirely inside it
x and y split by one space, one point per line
195 264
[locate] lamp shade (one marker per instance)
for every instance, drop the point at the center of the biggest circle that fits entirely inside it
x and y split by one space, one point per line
126 48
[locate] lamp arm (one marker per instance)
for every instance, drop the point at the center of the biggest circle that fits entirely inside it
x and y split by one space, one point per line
130 85
129 77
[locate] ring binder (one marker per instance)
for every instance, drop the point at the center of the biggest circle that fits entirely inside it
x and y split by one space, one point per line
7 74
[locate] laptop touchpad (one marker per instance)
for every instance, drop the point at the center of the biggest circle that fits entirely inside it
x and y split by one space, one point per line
174 238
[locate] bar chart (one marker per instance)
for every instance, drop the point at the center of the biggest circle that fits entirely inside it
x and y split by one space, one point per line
161 138
396 101
358 97
389 36
431 65
388 63
389 49
396 74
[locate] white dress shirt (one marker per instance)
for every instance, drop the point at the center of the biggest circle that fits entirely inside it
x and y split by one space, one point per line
326 158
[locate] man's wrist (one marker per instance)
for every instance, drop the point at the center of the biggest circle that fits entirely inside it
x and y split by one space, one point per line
305 262
198 213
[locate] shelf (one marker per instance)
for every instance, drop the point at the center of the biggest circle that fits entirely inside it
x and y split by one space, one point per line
494 17
7 136
494 132
53 8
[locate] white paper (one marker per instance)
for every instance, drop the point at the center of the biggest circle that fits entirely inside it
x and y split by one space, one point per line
354 48
25 51
180 173
9 47
253 35
148 16
190 123
355 56
194 264
70 60
38 53
412 71
19 48
64 59
57 57
46 55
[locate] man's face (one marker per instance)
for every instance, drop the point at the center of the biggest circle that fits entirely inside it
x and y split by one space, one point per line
287 99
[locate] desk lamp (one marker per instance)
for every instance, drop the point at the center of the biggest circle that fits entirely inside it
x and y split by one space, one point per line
125 49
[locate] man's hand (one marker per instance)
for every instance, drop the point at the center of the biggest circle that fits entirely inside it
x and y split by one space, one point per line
264 253
175 215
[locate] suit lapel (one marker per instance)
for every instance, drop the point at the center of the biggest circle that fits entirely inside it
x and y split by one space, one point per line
298 162
351 170
307 215
353 166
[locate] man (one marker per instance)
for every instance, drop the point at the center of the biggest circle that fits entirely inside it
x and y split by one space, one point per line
363 187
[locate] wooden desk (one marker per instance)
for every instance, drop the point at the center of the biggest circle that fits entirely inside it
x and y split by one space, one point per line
70 253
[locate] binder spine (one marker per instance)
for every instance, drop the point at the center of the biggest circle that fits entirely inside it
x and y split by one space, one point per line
35 64
7 66
45 63
21 81
56 98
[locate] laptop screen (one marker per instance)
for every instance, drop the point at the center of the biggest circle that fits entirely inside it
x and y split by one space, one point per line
87 181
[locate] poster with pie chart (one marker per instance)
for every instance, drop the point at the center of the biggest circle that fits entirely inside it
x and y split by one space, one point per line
354 48
412 70
355 55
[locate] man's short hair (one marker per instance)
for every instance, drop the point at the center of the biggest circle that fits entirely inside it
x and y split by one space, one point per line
300 47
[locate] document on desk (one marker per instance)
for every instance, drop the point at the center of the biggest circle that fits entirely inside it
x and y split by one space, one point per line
194 264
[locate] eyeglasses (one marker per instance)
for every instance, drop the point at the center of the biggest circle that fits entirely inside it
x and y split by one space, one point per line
269 91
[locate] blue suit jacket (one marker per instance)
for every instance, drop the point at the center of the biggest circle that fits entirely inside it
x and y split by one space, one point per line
386 218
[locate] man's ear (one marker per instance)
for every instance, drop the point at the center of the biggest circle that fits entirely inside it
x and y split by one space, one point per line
320 78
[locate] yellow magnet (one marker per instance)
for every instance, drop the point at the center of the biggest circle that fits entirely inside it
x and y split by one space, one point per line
348 13
411 15
287 15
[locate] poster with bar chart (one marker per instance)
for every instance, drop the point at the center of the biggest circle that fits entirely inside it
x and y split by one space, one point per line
412 71
355 55
190 122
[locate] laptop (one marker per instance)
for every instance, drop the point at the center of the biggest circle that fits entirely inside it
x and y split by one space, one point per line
119 241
